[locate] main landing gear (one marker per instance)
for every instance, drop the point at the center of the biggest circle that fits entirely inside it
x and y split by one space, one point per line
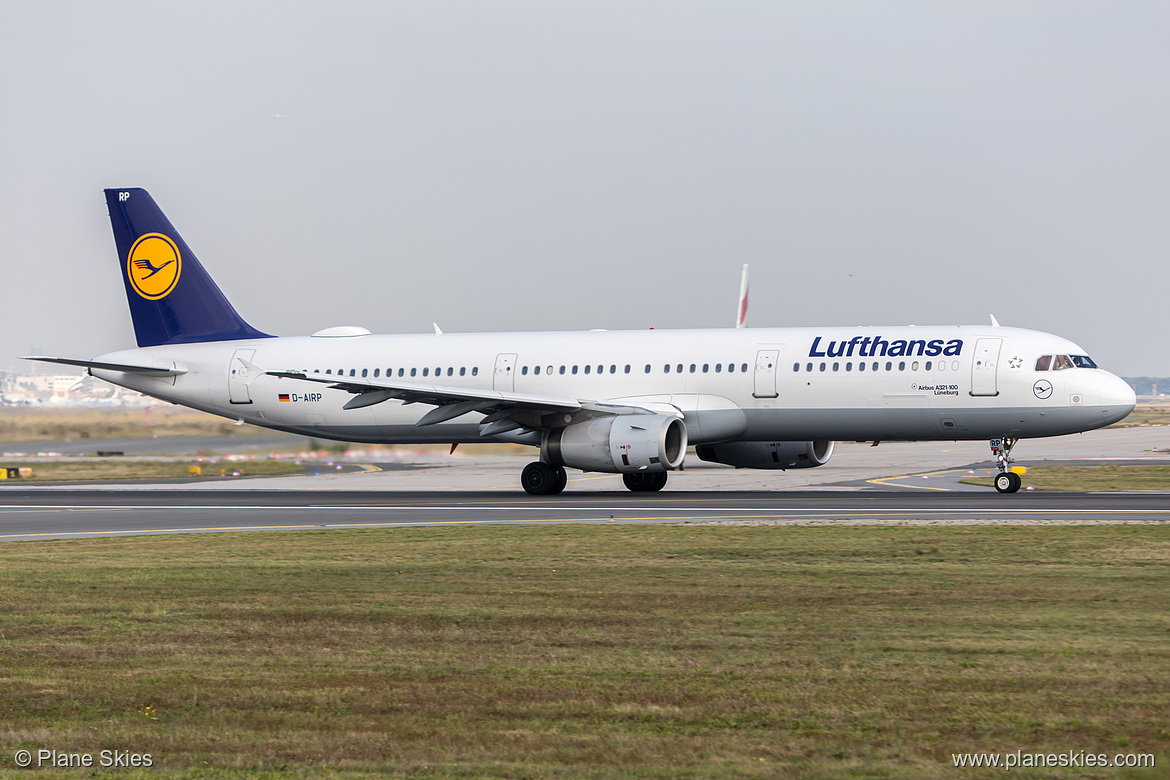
1006 481
541 479
643 482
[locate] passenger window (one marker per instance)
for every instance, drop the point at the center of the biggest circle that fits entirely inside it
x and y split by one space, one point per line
823 366
627 368
463 370
613 369
666 369
901 365
692 368
353 372
426 371
647 368
562 371
475 370
706 367
796 368
365 373
836 366
524 371
914 366
743 367
1061 362
536 369
376 372
548 371
861 366
849 366
402 372
808 367
928 365
731 368
413 371
450 371
889 366
680 368
719 367
574 369
587 367
329 371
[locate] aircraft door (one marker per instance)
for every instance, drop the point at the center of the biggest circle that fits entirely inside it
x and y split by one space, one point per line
984 366
238 377
766 365
504 377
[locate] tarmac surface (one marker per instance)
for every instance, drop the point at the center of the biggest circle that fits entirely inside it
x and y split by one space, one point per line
894 483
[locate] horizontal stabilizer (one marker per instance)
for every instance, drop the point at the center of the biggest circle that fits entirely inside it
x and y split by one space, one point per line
124 368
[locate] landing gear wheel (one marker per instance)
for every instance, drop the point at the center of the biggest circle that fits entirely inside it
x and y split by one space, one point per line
561 479
1008 482
539 479
641 482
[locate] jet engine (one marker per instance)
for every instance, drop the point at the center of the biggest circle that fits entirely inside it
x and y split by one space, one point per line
768 454
622 444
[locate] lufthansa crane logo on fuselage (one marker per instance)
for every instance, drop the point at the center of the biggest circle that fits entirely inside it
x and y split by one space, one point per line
153 266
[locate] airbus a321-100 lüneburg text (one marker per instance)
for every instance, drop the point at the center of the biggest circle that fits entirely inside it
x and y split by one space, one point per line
620 402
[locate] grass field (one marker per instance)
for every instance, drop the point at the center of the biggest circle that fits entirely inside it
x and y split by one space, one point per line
117 468
33 424
1108 478
1147 413
589 651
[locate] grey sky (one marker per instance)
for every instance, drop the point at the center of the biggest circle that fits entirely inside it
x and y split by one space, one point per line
508 166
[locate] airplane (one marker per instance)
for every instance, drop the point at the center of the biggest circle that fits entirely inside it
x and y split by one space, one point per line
627 402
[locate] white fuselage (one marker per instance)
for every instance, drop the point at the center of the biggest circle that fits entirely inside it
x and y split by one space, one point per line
745 384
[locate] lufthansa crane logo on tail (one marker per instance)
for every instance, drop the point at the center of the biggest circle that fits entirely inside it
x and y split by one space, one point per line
153 266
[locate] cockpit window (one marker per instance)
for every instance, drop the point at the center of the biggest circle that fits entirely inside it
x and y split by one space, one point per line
1043 362
1061 362
1083 361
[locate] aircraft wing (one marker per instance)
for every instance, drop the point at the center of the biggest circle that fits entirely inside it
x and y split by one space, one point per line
123 367
505 410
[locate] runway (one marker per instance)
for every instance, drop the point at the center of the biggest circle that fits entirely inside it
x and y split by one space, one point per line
895 484
28 515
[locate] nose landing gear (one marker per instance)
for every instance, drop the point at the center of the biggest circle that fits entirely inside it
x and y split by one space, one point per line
1007 481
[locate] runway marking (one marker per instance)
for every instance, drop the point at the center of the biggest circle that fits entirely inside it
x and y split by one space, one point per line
25 508
884 481
144 531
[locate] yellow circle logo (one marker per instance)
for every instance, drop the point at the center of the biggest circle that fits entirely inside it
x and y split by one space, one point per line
154 265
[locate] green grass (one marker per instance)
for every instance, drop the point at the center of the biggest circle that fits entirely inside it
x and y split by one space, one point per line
1107 478
112 468
589 651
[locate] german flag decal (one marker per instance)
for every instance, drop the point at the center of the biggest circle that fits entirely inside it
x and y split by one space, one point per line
283 397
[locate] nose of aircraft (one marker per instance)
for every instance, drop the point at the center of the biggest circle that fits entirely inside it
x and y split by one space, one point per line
1117 398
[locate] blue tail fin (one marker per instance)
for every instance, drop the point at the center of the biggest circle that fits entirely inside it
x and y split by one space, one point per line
172 299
